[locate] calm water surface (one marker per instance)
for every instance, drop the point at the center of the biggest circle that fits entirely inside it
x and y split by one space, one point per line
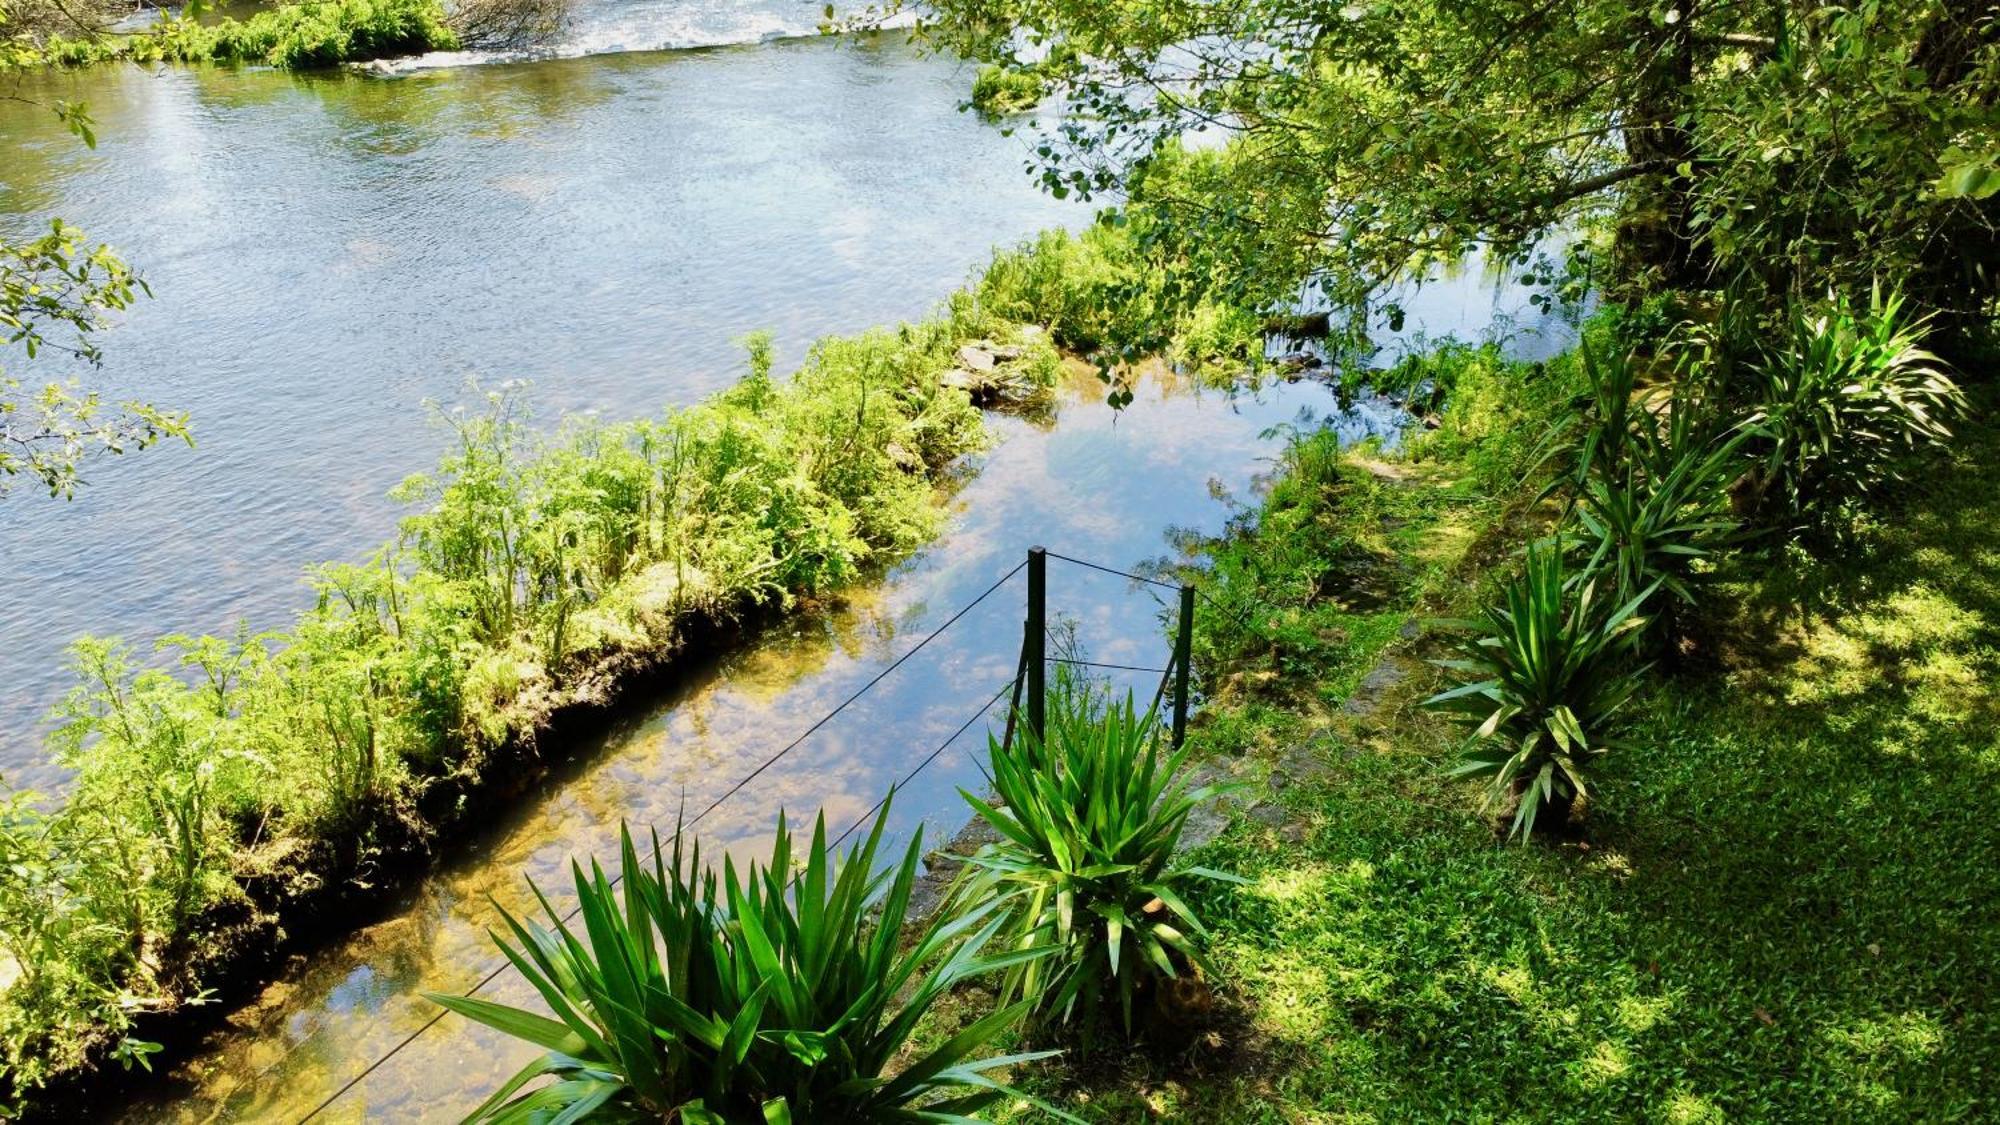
331 251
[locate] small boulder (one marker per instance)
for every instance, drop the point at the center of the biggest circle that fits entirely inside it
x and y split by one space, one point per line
976 358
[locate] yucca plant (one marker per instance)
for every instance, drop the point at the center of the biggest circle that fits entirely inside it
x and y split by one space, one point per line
1595 436
1090 816
1546 671
749 999
1648 518
1842 399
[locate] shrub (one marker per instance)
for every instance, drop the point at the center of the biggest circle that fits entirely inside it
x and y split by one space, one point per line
1664 511
688 999
1547 670
1840 401
1003 91
297 36
1090 817
1649 478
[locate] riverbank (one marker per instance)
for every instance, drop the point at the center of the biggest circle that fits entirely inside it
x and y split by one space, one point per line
293 36
1773 906
300 777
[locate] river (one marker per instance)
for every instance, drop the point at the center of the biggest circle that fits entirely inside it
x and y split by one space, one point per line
330 251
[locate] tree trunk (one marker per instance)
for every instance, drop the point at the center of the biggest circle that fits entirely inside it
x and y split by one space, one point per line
1657 245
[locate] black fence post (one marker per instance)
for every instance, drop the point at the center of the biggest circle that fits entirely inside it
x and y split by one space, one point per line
1014 700
1183 652
1038 640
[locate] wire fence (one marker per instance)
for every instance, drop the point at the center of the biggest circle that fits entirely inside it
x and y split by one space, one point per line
1028 675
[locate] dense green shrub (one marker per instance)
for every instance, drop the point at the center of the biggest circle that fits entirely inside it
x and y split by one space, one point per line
685 998
300 35
532 563
1648 474
1116 292
997 92
1090 817
1546 671
1839 403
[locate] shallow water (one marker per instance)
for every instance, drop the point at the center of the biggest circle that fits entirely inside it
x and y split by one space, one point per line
330 251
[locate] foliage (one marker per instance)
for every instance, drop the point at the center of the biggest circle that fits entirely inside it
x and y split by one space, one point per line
747 999
1107 294
1786 149
1294 579
299 35
1767 923
998 92
54 293
533 568
1649 476
1665 510
24 24
1090 817
1840 401
1544 673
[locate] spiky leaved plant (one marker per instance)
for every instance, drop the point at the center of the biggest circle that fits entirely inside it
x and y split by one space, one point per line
1545 672
708 1002
1090 817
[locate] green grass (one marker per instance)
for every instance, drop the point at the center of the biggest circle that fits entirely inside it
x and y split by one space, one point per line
1782 907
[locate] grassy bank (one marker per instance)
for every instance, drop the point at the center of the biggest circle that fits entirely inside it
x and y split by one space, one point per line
228 788
1776 906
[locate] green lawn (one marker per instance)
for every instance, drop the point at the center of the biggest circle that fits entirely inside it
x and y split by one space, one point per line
1785 906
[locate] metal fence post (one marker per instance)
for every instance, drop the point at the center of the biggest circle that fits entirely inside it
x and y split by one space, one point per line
1037 640
1183 652
1014 700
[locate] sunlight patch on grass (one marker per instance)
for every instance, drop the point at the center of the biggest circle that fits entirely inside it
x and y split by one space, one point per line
1608 1062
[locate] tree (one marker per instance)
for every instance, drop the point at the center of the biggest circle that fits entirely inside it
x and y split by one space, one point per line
1767 146
54 292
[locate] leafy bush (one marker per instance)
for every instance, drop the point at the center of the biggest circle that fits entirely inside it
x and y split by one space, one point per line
750 999
1649 477
1547 670
1666 510
1000 92
1090 817
297 36
1117 292
315 33
1840 401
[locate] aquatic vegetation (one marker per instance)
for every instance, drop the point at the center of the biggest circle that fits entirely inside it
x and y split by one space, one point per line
534 570
1120 293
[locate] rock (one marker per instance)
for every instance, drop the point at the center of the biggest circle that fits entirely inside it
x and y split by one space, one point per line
1007 353
961 379
976 358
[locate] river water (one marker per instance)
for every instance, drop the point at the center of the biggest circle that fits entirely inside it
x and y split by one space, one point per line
330 251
